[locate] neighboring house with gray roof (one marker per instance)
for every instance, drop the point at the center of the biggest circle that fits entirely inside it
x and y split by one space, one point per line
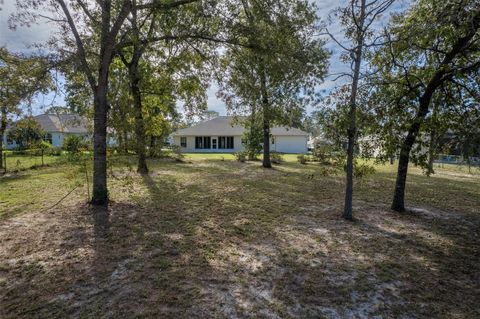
224 135
56 127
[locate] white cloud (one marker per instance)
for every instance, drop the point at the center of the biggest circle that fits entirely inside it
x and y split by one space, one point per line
20 39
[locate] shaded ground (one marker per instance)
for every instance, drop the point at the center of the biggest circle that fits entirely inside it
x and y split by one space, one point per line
221 239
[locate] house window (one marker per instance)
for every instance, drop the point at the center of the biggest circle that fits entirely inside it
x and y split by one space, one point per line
214 143
48 138
225 142
221 142
198 142
273 140
183 141
230 142
202 142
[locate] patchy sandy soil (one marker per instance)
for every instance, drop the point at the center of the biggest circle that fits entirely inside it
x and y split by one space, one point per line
213 241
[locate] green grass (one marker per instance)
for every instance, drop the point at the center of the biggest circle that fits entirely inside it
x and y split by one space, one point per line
218 238
23 162
230 156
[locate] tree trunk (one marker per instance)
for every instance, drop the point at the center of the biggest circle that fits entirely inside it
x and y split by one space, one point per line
266 143
252 153
352 128
100 191
153 141
3 127
120 142
133 70
398 203
267 163
440 76
99 183
139 124
125 140
109 29
433 140
431 153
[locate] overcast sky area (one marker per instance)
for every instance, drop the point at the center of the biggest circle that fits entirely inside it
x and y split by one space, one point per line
20 39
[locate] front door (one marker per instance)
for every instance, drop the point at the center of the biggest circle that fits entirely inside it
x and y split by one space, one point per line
214 143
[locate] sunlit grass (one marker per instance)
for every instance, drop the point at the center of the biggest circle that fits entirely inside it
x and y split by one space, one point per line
208 237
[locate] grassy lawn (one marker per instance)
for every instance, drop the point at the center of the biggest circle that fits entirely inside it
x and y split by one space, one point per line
16 162
229 156
215 238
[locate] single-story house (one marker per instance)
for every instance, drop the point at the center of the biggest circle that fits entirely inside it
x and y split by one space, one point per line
56 127
224 135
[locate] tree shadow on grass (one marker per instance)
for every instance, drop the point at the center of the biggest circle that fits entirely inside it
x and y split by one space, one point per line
209 241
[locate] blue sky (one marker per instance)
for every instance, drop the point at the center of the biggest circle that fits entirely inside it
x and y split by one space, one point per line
20 40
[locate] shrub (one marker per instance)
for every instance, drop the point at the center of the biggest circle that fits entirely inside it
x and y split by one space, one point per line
362 170
44 145
328 154
26 132
276 158
302 159
252 141
177 153
55 152
73 144
241 156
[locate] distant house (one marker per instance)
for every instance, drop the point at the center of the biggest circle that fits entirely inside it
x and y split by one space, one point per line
56 127
223 135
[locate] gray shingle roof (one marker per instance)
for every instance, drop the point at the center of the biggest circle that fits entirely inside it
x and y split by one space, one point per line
66 123
224 125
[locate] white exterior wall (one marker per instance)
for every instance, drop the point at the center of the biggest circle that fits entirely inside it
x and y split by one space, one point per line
8 146
283 144
57 140
289 144
237 145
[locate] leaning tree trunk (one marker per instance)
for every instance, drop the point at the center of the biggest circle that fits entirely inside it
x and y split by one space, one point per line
398 203
431 153
439 77
352 128
432 146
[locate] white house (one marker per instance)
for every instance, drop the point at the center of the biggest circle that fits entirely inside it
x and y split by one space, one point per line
223 135
56 127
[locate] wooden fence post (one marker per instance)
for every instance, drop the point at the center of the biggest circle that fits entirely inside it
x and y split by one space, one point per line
5 162
42 156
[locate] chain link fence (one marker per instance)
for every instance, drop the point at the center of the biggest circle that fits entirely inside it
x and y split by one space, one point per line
459 160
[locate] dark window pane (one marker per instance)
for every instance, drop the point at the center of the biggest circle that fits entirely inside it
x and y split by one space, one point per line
198 142
230 142
221 142
206 142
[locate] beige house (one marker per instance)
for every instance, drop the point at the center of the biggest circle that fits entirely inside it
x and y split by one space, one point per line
223 135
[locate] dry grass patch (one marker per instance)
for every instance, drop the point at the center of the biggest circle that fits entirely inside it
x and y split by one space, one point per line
222 239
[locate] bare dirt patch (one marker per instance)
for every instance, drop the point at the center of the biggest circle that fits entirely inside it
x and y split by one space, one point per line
205 241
